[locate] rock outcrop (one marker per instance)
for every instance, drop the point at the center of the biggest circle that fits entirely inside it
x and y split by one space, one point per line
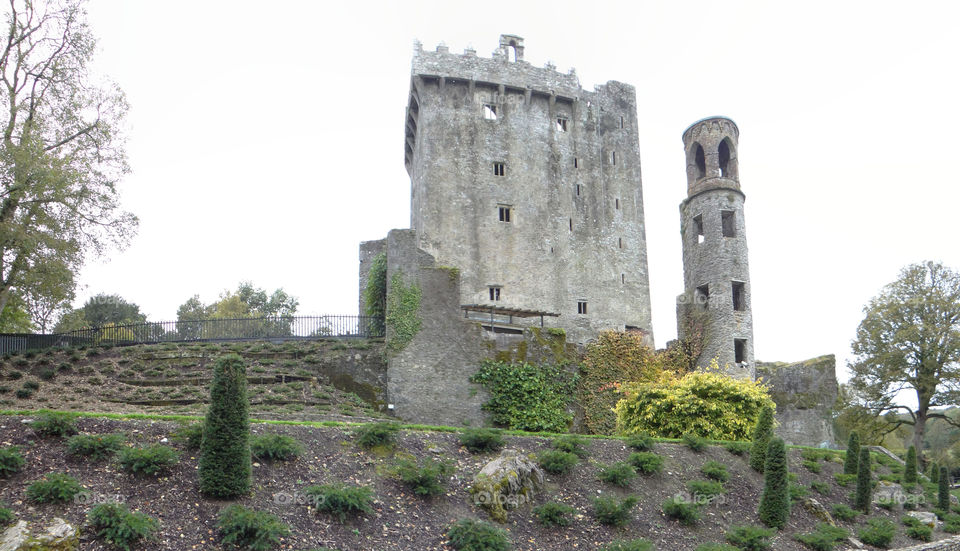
506 483
805 394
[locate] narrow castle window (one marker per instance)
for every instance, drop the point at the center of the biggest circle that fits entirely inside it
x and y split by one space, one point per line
571 224
620 242
621 122
576 162
739 350
739 304
489 111
701 162
581 307
728 220
578 190
698 227
561 124
724 158
613 157
504 213
499 169
623 278
702 296
494 293
617 203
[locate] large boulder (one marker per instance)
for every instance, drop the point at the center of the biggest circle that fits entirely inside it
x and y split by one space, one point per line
818 511
805 394
889 494
924 517
506 483
59 535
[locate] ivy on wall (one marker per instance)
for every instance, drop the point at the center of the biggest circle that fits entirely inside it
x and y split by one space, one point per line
403 312
375 294
529 397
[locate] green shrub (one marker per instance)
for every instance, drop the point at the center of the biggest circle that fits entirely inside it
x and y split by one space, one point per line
844 479
824 538
54 488
274 447
610 511
710 404
878 532
852 456
148 460
820 487
934 473
477 535
812 466
943 490
864 482
618 474
11 461
340 500
190 435
714 470
118 526
525 396
694 442
910 469
6 517
705 490
557 462
760 439
249 529
554 514
376 434
628 545
844 512
737 448
683 511
920 532
95 446
572 443
481 440
798 492
951 524
23 393
775 500
749 537
642 442
646 462
47 373
426 478
225 465
55 424
716 547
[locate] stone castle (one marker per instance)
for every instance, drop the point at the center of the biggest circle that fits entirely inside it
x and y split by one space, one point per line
527 212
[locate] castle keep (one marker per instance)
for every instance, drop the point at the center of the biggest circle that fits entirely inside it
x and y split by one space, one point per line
527 213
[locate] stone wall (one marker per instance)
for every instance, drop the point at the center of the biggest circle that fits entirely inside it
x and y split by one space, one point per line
362 371
949 544
428 380
368 250
805 394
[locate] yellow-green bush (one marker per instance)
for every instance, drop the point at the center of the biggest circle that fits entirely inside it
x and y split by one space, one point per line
709 404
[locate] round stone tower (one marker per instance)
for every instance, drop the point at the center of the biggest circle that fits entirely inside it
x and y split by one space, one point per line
714 312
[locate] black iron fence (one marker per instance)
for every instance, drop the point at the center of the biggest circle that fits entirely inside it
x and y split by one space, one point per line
286 327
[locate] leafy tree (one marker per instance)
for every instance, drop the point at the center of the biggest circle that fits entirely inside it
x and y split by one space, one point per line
943 490
101 310
853 454
14 318
864 482
851 415
775 500
762 433
48 295
909 340
225 449
910 469
245 302
61 150
934 474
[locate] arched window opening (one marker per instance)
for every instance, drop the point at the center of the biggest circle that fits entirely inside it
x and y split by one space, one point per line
724 157
701 162
513 49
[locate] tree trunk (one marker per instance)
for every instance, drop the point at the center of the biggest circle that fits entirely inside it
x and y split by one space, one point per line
919 429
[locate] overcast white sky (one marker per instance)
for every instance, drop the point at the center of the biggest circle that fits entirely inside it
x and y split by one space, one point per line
266 140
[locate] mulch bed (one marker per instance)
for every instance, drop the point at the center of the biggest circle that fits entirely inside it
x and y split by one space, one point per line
401 521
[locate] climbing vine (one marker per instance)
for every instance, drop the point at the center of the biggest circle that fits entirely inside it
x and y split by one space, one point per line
403 312
525 396
375 294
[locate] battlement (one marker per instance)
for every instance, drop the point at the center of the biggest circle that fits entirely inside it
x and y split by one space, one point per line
505 67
